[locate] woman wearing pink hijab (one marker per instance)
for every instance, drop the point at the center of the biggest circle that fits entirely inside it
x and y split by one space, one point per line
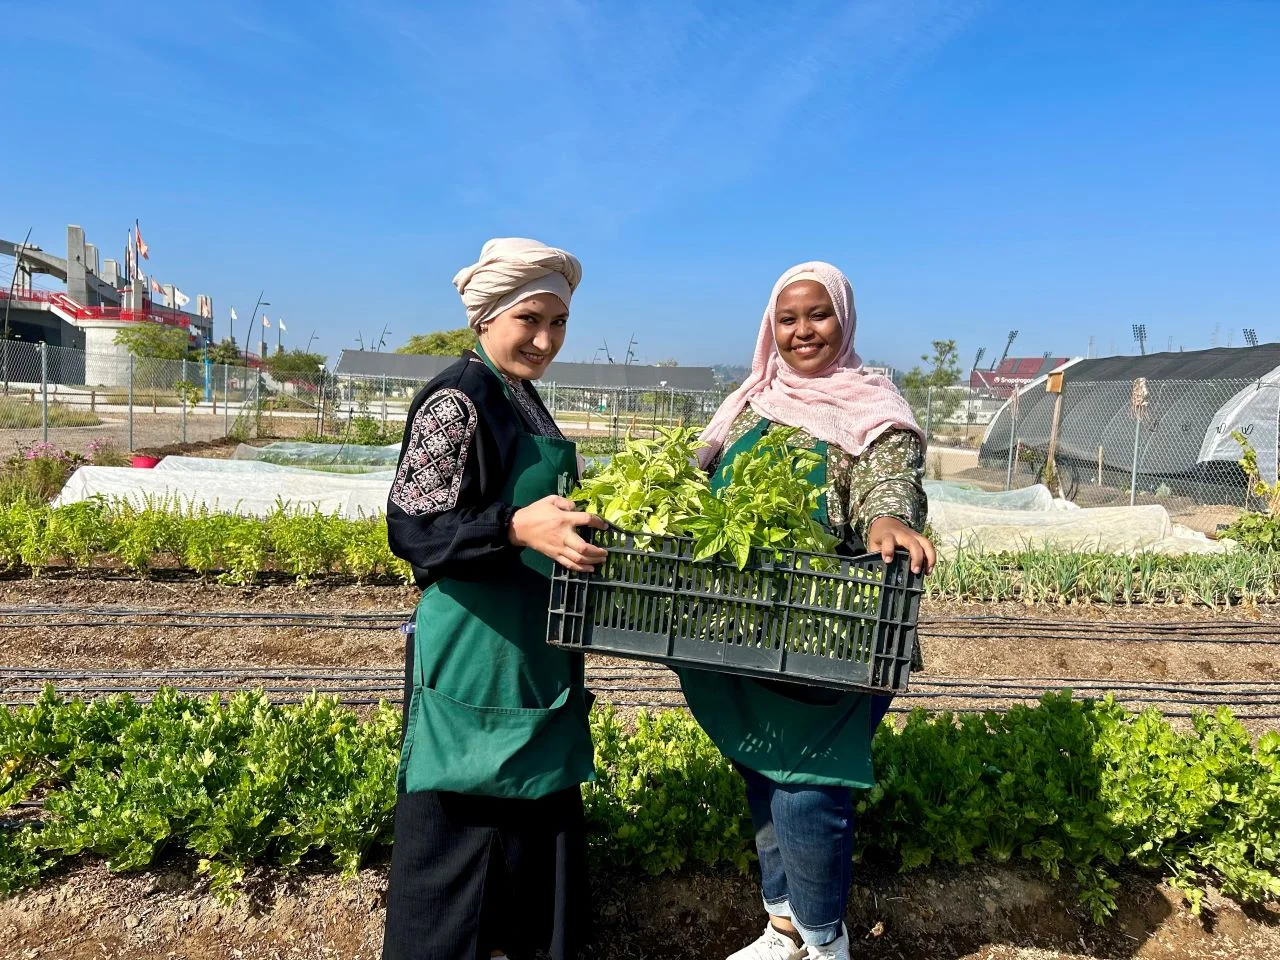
801 748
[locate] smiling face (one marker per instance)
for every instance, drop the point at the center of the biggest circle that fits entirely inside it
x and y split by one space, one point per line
523 340
806 328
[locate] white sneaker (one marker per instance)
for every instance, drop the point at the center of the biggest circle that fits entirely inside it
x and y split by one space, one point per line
772 945
837 949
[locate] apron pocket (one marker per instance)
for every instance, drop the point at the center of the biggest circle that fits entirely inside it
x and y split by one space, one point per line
496 751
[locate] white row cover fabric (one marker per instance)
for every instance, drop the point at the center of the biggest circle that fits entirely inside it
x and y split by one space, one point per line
961 518
259 468
1035 497
230 492
303 453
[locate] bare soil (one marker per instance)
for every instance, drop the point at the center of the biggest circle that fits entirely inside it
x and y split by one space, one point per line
984 912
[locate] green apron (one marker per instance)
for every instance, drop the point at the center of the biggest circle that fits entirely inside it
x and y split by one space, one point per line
495 710
765 730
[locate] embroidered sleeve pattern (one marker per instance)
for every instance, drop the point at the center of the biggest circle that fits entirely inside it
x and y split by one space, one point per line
430 474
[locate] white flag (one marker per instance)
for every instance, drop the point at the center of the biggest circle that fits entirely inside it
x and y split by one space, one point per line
265 322
180 298
282 326
233 314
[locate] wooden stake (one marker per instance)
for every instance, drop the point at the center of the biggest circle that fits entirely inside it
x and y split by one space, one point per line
1054 386
1099 466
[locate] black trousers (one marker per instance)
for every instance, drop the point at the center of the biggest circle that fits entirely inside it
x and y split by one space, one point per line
474 874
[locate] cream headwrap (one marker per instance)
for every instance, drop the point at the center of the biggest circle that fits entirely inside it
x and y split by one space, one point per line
511 269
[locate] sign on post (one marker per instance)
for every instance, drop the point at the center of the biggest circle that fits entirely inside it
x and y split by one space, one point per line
1138 410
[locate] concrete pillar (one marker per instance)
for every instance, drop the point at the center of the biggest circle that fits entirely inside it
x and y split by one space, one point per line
77 267
111 273
132 296
91 261
106 363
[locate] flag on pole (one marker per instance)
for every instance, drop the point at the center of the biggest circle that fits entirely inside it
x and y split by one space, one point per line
266 324
180 298
156 288
143 250
233 314
128 257
280 323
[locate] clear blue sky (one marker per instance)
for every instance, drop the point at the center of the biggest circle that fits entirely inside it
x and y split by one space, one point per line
1064 168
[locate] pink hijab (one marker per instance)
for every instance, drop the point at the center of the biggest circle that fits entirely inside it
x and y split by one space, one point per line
843 405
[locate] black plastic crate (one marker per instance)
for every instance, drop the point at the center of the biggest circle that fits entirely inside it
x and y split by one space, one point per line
833 621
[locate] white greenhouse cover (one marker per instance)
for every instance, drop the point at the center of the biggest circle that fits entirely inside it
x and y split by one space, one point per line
1255 412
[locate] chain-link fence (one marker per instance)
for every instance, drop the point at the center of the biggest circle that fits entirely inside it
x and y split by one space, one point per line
72 398
611 412
1127 441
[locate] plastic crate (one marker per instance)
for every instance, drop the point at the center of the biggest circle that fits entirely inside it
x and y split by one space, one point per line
833 621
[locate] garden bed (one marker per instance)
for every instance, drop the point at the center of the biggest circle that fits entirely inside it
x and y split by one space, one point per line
68 621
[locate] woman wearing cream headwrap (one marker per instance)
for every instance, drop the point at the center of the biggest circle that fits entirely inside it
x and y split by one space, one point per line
489 856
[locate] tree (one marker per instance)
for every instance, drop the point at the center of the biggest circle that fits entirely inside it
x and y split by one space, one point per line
154 340
225 351
297 364
668 363
441 343
943 372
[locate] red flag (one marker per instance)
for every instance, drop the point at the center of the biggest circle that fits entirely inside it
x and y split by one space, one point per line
156 288
143 250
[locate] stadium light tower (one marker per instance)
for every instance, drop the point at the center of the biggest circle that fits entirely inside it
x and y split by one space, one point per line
1251 336
1013 335
1140 335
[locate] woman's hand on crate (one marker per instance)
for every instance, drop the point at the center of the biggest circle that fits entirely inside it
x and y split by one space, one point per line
550 526
888 534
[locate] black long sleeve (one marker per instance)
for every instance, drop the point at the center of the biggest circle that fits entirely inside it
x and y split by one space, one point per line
445 513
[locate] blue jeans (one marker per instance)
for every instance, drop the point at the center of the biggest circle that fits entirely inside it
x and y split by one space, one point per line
804 837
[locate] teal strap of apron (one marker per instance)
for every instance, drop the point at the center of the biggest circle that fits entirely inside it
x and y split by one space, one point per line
506 386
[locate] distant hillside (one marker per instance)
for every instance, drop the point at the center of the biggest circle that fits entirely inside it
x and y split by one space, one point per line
729 372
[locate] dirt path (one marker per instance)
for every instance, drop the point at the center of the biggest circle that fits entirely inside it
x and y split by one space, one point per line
344 638
985 912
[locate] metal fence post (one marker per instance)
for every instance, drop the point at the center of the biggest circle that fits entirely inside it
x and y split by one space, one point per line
44 390
130 401
1133 474
182 400
1013 439
928 414
226 400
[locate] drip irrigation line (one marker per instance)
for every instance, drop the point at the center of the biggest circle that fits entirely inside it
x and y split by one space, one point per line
189 625
71 609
